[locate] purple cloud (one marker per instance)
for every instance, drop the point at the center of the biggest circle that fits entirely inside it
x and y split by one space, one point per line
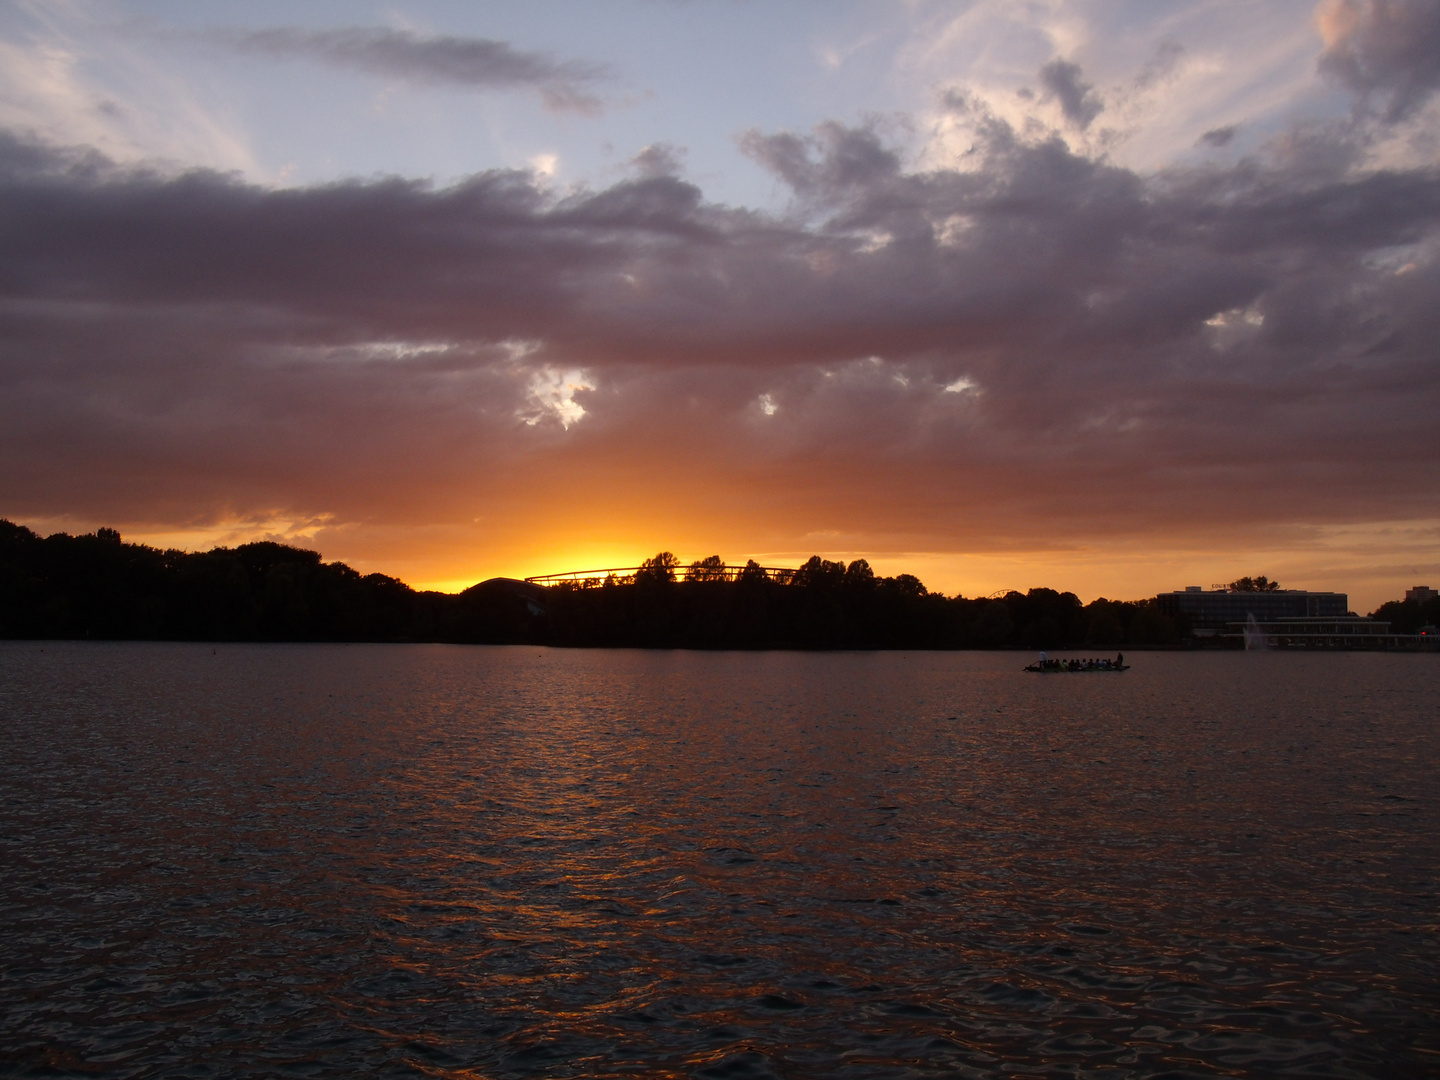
1040 343
457 61
1078 101
1387 51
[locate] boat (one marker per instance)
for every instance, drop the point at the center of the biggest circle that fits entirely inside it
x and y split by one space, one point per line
1046 666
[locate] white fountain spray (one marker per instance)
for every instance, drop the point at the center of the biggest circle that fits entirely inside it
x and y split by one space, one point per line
1254 638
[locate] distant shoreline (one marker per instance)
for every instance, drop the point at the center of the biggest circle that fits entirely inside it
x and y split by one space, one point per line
97 587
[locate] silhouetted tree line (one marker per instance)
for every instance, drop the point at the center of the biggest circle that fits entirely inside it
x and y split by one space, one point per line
97 586
1408 616
831 605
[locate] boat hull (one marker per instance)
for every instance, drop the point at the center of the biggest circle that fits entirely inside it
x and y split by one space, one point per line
1076 670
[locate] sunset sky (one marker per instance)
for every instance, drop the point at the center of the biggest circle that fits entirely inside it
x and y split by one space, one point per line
1111 297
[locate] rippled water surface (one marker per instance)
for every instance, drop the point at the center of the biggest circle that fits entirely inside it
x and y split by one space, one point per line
504 862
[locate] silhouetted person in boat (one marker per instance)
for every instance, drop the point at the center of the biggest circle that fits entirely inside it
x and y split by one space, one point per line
1119 659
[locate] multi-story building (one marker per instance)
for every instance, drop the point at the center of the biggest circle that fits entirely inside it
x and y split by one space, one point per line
1421 594
1210 611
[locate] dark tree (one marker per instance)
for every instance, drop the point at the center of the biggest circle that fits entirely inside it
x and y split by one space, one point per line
859 574
710 568
1256 584
753 572
659 570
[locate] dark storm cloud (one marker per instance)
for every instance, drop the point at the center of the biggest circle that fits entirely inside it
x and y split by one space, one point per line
1221 136
457 61
1388 51
658 160
1078 101
1035 341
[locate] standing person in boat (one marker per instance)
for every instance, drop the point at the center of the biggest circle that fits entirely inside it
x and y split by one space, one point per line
1119 659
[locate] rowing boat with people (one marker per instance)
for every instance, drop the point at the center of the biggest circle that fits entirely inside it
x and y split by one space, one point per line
1046 666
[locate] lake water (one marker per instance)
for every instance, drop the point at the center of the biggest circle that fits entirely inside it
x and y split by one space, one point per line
504 862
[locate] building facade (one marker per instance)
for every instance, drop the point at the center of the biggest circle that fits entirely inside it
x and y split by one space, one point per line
1210 611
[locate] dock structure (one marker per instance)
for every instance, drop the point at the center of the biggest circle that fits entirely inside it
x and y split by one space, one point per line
1344 632
625 575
